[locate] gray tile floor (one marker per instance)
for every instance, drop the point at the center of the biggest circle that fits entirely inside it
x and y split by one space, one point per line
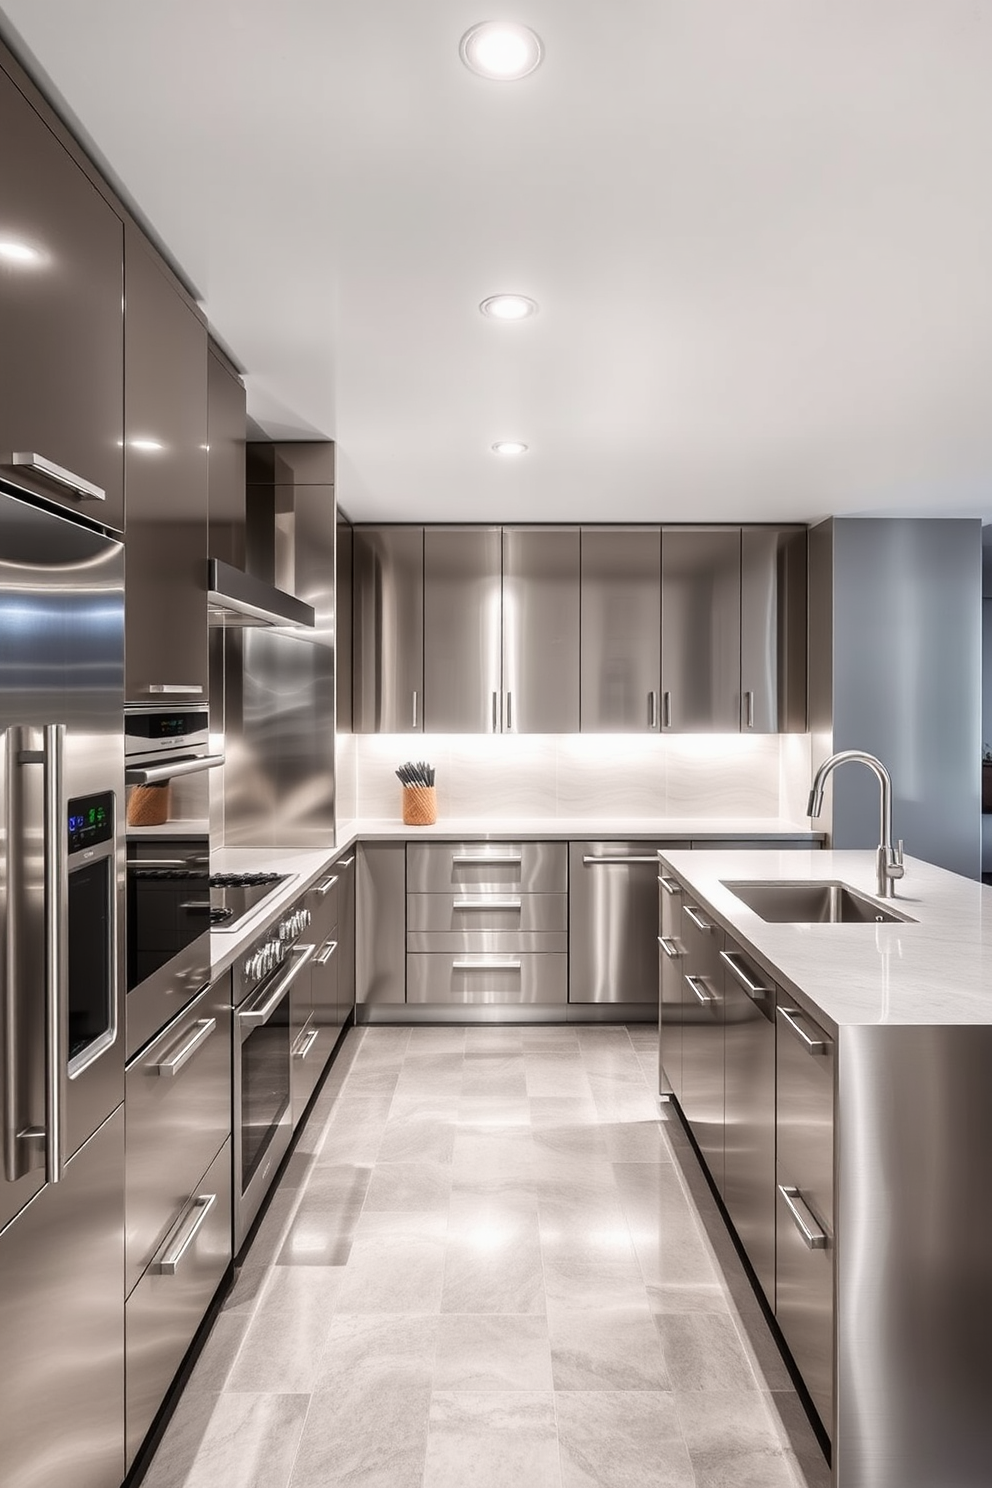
490 1263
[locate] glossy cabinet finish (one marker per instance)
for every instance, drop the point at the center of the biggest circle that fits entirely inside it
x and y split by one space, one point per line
345 869
388 683
613 922
487 978
487 867
462 630
343 598
773 630
703 1034
540 628
227 420
487 922
700 629
62 1403
804 1282
165 350
671 1002
621 630
61 375
749 1109
380 928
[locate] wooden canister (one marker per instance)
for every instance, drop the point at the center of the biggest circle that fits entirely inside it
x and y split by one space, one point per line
148 805
419 805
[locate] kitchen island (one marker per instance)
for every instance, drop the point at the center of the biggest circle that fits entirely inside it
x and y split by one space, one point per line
835 1078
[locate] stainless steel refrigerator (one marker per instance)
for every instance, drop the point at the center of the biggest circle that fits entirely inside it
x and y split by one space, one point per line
61 1001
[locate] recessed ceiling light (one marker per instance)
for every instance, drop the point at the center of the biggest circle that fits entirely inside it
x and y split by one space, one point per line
145 445
508 307
509 447
501 50
15 252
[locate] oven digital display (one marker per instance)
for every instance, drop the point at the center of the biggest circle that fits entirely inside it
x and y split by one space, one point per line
90 820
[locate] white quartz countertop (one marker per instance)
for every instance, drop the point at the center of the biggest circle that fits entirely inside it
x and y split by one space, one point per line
576 829
937 970
302 868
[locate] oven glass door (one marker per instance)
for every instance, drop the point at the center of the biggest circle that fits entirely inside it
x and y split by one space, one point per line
168 902
265 1084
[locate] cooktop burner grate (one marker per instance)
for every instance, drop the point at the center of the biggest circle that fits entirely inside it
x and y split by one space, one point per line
244 880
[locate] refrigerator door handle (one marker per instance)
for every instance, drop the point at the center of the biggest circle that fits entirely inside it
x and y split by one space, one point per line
56 949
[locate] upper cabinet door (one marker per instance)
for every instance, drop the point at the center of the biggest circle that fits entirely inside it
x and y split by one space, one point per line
621 629
388 681
227 425
462 680
701 629
773 630
166 471
62 368
540 630
343 546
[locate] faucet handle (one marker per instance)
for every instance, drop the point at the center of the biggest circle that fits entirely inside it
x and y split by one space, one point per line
898 852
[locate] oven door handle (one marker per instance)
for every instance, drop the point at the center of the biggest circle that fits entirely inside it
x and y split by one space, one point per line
262 1011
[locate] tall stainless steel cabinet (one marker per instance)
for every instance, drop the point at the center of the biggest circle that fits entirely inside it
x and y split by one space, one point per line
61 374
343 591
462 638
773 629
701 629
540 630
621 629
388 683
165 346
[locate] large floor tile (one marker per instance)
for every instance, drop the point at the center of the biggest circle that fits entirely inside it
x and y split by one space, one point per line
494 1266
732 1441
417 1186
230 1441
494 1352
609 1349
288 1330
703 1351
369 1351
393 1270
621 1439
492 1440
364 1438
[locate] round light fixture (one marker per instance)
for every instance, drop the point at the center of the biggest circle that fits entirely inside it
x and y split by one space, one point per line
501 50
508 307
509 447
15 252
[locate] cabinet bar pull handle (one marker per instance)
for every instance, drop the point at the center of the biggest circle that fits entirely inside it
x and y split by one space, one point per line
813 1237
749 710
753 989
161 687
54 472
327 885
198 1211
485 965
486 902
666 709
325 953
201 1032
706 998
670 885
812 1045
487 858
669 947
309 1039
652 709
509 712
495 712
413 721
591 861
345 863
697 919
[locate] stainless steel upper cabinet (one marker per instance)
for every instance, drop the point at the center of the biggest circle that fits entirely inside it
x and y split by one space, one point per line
621 629
388 677
540 630
773 630
462 604
701 629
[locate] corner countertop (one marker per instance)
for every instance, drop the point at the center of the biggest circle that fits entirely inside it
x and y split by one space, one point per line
932 971
578 829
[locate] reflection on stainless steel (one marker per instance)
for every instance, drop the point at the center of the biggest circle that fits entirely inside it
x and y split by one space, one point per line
889 862
238 599
540 625
487 867
527 978
701 629
787 901
462 628
773 629
702 1012
379 934
613 934
620 628
749 1110
389 630
670 956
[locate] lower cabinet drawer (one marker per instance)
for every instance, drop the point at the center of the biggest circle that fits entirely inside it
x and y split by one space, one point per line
804 1291
177 1114
165 1309
310 1053
469 978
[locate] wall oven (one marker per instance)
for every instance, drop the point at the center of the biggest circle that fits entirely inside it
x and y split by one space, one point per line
263 1113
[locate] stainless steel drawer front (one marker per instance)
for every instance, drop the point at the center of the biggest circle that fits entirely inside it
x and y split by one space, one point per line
749 1110
524 978
461 914
804 1293
490 867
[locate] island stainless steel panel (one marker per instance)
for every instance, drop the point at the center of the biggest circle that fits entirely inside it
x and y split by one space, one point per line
388 682
749 1109
62 1324
462 630
702 1034
380 930
613 922
773 630
487 867
700 629
540 630
671 986
621 630
345 868
470 977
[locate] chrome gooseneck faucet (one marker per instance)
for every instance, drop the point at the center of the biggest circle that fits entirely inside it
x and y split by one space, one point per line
888 859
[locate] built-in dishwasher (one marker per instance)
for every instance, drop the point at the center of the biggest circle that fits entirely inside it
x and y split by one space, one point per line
613 926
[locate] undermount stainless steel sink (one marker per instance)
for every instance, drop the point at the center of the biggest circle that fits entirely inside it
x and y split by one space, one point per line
793 903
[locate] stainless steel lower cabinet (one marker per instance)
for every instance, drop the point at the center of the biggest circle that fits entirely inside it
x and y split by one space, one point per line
61 1326
167 1306
613 924
749 1110
380 926
472 978
702 1034
671 955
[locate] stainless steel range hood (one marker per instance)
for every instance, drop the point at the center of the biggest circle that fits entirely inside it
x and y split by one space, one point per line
238 598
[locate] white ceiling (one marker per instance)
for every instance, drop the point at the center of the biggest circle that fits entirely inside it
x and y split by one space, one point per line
760 234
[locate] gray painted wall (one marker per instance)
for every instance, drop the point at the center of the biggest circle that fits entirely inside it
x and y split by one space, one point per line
906 666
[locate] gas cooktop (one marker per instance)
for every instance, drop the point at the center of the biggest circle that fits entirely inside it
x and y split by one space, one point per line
235 895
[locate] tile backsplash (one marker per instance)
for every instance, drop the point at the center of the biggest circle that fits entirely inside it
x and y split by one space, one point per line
586 775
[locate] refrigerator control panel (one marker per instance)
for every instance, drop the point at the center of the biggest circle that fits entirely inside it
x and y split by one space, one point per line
91 821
